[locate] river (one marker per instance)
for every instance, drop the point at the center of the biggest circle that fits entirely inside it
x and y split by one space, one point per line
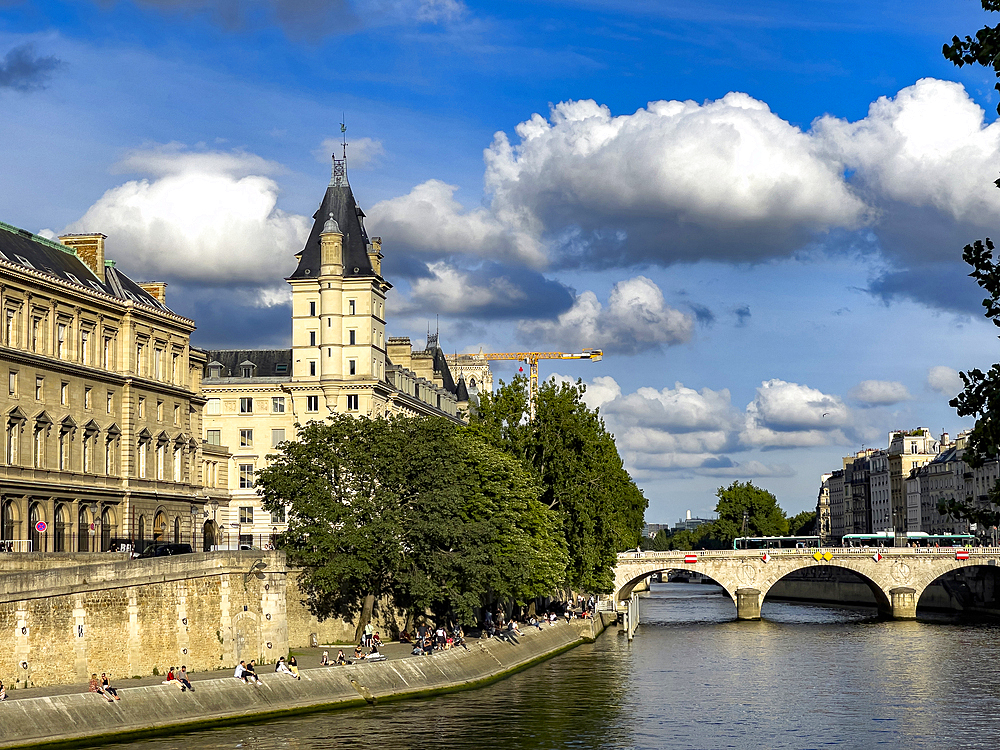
695 678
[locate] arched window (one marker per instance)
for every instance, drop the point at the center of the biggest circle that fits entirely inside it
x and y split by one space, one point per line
109 529
141 542
61 532
177 530
34 536
8 520
83 534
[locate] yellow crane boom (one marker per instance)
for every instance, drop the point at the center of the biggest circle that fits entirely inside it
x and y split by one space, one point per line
531 358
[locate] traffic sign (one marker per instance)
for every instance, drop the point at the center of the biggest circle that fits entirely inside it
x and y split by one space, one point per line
40 527
690 558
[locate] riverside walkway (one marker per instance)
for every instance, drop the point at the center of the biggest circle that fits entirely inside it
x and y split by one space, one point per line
897 576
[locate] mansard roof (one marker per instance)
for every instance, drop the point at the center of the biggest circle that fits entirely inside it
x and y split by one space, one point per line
338 201
23 248
266 362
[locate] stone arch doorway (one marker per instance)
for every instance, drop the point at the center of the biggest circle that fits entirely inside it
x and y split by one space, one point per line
159 530
36 513
60 531
109 528
177 530
10 520
140 543
210 535
83 535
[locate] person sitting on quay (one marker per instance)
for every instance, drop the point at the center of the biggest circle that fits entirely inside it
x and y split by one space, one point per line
182 678
341 657
534 621
283 668
251 674
358 653
324 660
376 641
241 672
293 665
3 692
512 628
95 687
106 685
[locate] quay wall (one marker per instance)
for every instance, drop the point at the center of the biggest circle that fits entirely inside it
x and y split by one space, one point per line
159 709
60 623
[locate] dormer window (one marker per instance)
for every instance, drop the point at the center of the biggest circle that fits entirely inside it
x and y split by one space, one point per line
215 369
247 372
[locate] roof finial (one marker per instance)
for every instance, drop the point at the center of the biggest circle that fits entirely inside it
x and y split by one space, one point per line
343 135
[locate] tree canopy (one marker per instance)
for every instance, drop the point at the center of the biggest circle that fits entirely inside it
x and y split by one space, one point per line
574 457
422 511
980 397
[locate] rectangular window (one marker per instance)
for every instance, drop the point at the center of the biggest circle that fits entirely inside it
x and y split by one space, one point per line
352 336
351 307
39 387
11 327
246 515
246 405
64 394
159 411
36 327
246 476
352 367
277 437
281 368
60 340
140 367
312 403
312 338
246 438
312 368
175 369
108 357
158 363
278 516
85 347
312 309
352 402
111 402
86 397
12 383
213 437
214 406
141 407
278 404
177 414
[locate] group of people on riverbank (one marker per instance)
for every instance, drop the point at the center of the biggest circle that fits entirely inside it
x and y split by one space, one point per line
103 687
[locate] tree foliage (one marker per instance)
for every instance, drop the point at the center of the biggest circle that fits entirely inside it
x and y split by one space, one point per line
568 448
745 500
803 523
980 397
419 510
983 50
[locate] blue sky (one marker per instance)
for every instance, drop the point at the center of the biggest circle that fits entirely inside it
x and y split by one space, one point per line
757 210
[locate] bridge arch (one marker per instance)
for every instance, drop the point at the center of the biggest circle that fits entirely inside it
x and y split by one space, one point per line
882 599
897 576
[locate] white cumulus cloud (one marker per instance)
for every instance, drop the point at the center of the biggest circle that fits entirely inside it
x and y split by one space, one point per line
879 392
788 415
945 381
362 152
206 217
636 319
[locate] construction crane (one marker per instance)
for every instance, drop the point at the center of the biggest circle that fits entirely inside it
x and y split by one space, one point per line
531 359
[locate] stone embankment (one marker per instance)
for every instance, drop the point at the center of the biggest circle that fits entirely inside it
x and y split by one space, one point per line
87 718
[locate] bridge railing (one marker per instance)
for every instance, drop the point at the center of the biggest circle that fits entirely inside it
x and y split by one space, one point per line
809 552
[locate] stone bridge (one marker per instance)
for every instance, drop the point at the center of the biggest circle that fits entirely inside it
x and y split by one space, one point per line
897 576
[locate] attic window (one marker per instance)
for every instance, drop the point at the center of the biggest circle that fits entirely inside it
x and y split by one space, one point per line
215 371
281 368
73 278
24 261
246 371
96 285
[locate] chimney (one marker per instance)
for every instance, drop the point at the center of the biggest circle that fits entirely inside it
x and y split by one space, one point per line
155 289
90 249
689 515
375 255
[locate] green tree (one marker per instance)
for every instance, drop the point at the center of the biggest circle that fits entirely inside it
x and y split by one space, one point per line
803 524
743 500
569 449
422 511
980 397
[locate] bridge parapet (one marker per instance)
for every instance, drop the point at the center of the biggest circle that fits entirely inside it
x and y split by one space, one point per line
897 576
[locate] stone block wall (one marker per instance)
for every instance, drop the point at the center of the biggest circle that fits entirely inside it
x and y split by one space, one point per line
302 624
60 624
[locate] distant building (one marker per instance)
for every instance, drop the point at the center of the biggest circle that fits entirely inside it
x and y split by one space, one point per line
690 524
652 529
907 450
823 509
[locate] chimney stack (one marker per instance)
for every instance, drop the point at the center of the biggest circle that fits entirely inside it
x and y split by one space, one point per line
90 249
155 289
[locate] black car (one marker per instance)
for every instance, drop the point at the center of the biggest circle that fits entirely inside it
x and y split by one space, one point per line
166 550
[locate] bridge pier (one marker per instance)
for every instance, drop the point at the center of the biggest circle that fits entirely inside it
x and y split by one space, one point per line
748 603
903 601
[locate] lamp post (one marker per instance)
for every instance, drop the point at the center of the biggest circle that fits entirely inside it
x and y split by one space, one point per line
194 524
214 506
92 531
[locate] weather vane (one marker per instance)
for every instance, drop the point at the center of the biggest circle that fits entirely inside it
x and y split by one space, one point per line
343 135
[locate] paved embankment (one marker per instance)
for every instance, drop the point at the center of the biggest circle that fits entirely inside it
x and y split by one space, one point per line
153 709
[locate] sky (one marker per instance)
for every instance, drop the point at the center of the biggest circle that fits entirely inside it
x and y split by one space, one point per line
757 210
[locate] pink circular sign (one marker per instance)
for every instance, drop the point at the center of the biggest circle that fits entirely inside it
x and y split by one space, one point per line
40 527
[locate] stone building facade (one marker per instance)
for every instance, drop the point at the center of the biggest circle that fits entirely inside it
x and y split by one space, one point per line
340 362
102 416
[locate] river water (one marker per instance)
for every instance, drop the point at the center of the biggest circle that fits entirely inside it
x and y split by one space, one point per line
695 678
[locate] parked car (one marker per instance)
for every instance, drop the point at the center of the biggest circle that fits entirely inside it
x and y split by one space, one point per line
166 550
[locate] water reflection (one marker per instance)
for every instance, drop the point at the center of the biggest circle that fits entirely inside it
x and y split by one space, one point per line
694 677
